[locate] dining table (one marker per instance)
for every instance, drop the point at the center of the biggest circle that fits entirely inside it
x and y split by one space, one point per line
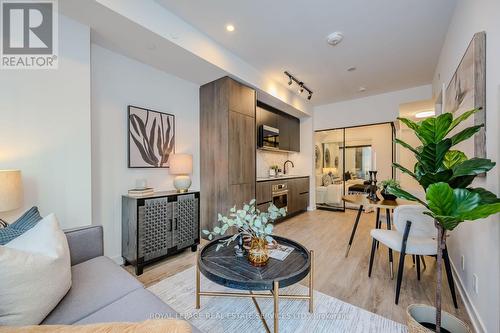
363 201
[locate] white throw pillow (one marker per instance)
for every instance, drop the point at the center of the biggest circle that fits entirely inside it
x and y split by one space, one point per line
35 273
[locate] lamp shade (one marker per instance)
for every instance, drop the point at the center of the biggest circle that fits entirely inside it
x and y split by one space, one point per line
11 191
181 164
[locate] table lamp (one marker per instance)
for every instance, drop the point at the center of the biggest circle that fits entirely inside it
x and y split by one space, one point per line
181 165
11 192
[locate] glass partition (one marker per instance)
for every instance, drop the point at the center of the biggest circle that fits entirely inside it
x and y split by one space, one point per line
343 158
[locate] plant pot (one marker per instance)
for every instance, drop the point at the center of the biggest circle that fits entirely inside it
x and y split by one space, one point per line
258 255
417 314
386 195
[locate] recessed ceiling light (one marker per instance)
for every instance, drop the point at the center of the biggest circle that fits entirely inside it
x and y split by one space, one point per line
351 69
334 38
425 114
362 89
230 27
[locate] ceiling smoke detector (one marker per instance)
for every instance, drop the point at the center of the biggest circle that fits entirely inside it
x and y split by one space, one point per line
334 38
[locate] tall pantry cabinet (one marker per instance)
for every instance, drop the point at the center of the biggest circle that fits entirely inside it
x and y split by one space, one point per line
227 147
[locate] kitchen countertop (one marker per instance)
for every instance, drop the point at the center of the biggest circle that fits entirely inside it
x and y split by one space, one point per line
265 179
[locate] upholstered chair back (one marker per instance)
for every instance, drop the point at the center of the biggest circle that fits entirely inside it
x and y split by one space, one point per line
421 225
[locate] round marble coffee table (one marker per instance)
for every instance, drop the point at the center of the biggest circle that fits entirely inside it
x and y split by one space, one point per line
228 270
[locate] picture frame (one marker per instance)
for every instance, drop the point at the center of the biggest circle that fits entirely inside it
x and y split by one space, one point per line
150 137
467 90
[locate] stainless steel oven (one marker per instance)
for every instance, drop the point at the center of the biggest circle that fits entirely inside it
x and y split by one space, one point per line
280 195
269 137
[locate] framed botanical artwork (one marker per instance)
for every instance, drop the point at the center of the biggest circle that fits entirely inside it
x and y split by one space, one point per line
467 90
151 138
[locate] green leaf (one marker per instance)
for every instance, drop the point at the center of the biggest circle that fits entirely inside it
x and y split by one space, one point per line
400 193
432 155
452 158
461 181
205 232
407 146
464 201
426 179
474 166
440 199
217 230
482 211
452 206
461 118
411 124
486 196
404 170
465 134
434 129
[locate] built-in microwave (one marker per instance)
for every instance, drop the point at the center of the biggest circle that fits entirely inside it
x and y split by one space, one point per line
269 137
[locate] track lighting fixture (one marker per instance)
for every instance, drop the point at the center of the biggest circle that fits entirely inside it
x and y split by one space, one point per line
302 86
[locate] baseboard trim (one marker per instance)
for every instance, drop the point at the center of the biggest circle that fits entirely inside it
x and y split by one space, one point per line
118 260
469 307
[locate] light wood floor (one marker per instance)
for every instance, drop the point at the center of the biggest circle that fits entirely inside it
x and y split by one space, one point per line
327 233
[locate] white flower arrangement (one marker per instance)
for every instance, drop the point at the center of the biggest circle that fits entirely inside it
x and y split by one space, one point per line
248 221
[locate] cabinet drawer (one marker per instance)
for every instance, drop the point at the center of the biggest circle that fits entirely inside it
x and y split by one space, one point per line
302 185
263 192
303 201
263 207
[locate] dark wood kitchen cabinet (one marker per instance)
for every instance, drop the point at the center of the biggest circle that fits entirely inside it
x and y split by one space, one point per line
298 194
227 148
288 126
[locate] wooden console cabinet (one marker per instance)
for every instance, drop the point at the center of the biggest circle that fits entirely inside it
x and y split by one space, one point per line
159 225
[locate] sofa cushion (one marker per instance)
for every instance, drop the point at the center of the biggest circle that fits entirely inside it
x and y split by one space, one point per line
35 273
148 326
139 305
96 283
27 221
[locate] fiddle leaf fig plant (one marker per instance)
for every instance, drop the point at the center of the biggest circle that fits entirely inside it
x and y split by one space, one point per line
446 176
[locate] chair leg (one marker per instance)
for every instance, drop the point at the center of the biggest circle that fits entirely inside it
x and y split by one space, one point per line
372 254
400 274
388 219
377 222
418 267
402 255
423 262
413 259
449 275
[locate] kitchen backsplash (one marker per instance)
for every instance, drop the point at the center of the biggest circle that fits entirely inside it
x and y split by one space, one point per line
267 158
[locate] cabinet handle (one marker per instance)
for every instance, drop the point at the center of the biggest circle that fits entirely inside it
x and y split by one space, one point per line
175 223
170 224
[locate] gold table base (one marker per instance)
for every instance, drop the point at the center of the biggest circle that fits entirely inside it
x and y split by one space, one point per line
274 295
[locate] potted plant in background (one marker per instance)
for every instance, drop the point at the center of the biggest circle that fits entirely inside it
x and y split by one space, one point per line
446 176
250 223
383 186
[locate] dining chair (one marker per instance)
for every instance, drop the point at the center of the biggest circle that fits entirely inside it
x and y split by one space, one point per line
413 234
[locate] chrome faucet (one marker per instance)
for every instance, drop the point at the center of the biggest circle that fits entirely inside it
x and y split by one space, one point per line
284 166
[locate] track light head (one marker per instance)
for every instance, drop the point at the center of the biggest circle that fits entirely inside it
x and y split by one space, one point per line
310 96
301 85
290 81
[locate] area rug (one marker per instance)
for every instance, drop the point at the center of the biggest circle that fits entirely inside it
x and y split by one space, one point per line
221 315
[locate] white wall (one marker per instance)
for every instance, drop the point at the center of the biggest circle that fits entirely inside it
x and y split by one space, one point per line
118 81
478 242
45 129
367 110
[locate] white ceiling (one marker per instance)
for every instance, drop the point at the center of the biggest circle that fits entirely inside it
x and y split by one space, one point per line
394 44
